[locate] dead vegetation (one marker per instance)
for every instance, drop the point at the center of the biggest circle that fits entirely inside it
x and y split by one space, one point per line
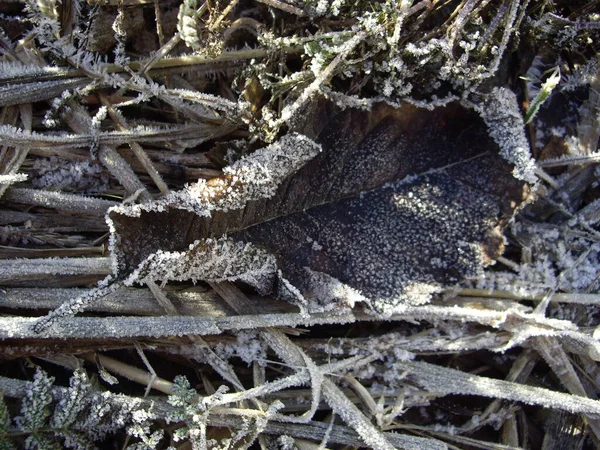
204 114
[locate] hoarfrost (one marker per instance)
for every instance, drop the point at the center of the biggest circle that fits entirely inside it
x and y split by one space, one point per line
454 382
259 175
211 260
248 346
13 178
342 228
560 260
10 69
59 200
63 175
53 266
502 115
76 305
251 178
372 244
330 292
20 138
369 218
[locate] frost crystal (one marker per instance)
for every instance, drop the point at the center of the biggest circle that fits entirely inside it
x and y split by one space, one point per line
331 293
370 246
254 177
249 347
257 176
560 260
36 405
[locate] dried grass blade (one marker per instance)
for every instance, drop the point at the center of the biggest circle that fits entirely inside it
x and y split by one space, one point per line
11 159
435 379
315 430
284 7
15 137
125 301
35 91
137 149
13 270
558 360
59 201
130 372
293 355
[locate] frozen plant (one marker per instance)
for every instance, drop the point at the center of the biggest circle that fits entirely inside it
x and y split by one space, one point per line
187 23
13 178
544 92
75 417
251 178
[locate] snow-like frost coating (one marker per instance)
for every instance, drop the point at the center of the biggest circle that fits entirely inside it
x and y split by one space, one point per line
13 178
502 115
327 293
211 260
253 177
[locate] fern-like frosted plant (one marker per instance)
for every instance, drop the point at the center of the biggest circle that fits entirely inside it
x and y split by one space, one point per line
76 417
192 412
5 441
36 411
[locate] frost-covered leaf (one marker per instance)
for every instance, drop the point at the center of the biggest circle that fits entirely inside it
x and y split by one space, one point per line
69 407
399 202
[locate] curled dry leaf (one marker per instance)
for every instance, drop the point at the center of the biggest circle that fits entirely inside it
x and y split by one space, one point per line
383 206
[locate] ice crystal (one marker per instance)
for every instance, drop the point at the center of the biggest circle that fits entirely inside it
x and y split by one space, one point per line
327 293
76 304
326 223
371 244
544 92
13 69
35 408
248 346
78 416
435 379
251 178
396 206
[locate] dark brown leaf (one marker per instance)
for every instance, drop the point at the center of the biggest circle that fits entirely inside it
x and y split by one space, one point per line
398 202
